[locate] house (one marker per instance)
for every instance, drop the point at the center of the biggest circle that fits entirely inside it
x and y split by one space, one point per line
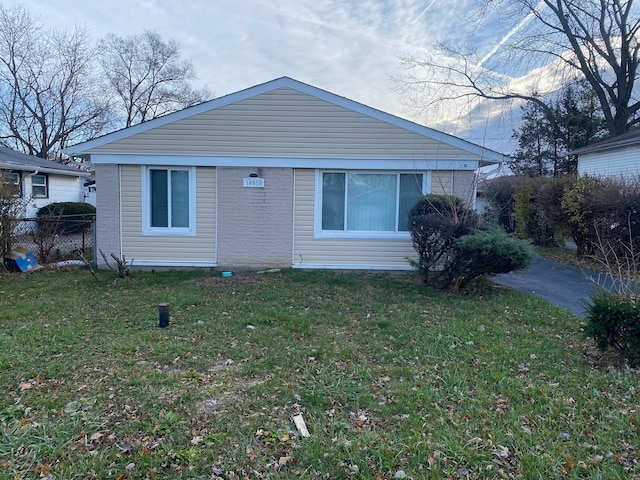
615 157
42 180
282 174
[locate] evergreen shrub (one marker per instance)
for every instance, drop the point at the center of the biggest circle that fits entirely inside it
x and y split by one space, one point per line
66 217
613 321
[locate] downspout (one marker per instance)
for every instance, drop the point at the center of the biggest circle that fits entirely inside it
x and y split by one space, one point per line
482 176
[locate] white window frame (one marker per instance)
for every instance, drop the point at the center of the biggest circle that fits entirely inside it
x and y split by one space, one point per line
147 229
46 185
319 233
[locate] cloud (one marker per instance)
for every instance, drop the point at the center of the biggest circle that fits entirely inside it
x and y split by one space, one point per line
349 48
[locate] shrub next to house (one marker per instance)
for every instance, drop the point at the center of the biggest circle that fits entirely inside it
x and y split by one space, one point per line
434 224
68 217
444 231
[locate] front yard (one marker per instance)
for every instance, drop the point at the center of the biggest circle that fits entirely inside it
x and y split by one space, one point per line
393 380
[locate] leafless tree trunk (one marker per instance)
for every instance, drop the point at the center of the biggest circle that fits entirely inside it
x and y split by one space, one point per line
48 98
147 77
568 40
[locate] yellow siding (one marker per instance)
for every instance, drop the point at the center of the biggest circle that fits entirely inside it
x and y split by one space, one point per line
285 123
335 252
464 186
195 249
442 182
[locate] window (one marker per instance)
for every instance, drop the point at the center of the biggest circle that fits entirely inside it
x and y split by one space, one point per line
39 186
169 201
368 202
14 178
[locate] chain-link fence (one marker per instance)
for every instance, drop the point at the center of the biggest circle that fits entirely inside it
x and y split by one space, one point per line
56 238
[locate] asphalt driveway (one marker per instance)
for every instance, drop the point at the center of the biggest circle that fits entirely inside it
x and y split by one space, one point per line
563 285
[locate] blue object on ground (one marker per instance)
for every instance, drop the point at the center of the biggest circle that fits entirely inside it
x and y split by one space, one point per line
21 259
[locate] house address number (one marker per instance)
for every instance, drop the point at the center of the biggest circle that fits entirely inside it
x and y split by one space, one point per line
253 182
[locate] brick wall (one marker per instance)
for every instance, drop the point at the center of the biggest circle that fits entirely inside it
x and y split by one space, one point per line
255 225
107 211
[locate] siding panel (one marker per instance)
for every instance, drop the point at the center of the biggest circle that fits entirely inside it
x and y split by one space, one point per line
614 163
198 249
60 188
442 182
464 186
284 123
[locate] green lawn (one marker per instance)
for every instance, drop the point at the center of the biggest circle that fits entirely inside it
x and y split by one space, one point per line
392 379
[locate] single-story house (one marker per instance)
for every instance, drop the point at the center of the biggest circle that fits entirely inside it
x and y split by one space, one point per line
614 157
43 181
282 174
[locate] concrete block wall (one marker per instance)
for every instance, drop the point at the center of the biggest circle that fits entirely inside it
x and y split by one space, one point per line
255 225
108 211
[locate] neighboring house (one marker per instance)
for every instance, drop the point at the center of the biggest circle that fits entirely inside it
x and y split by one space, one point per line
42 181
282 174
615 157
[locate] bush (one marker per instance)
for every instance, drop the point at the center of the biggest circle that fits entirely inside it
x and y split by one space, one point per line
486 253
538 210
66 217
613 321
500 193
434 223
581 210
603 215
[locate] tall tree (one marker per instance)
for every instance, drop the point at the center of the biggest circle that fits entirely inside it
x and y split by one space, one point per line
147 76
47 98
594 40
547 136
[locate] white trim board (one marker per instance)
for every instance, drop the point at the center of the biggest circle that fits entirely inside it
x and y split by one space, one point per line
409 164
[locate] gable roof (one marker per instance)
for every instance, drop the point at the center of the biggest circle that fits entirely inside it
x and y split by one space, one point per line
488 156
12 160
628 139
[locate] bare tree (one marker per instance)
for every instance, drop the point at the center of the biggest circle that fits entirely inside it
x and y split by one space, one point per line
47 95
147 76
569 40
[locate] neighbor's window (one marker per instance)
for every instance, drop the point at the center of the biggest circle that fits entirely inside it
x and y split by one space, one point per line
14 179
368 202
170 200
39 186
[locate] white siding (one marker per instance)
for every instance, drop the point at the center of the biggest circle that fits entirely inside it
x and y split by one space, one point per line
612 163
346 253
60 189
285 123
168 250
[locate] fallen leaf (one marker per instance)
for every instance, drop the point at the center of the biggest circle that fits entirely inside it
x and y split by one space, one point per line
25 386
569 463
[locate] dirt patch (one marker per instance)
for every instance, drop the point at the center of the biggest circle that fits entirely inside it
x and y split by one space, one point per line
214 405
609 360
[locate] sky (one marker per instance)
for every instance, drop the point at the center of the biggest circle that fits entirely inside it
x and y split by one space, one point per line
349 47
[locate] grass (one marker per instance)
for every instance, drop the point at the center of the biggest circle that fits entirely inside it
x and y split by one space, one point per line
393 381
